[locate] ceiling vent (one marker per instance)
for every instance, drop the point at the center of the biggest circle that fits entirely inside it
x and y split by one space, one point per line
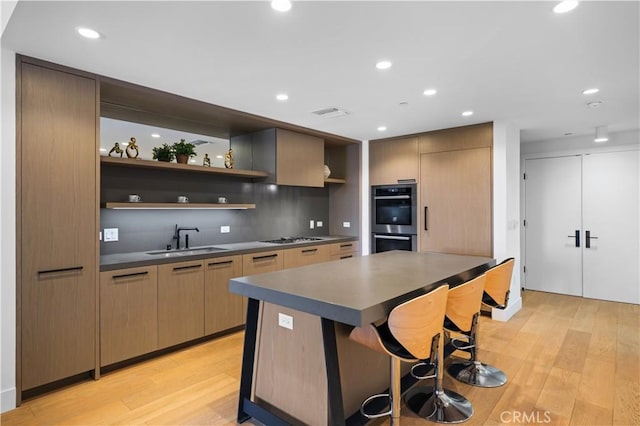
331 112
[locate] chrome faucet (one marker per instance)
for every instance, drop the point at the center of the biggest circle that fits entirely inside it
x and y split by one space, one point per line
176 236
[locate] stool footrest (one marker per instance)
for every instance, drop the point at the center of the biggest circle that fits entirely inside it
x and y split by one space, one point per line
478 374
430 365
440 406
371 399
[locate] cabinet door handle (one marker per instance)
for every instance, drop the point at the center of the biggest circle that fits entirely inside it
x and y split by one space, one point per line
346 245
182 268
53 271
226 262
268 256
134 274
310 250
346 257
426 211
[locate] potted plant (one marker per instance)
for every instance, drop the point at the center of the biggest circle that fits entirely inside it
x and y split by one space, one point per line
184 151
163 153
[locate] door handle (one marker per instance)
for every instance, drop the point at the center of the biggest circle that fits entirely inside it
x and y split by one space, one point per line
589 238
577 237
426 210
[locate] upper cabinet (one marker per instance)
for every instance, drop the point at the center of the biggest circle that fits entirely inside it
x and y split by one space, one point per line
290 158
393 161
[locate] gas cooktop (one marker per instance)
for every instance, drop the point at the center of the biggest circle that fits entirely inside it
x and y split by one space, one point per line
292 240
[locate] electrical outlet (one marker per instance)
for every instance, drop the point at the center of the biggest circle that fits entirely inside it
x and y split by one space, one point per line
285 321
311 224
225 229
346 224
110 234
319 223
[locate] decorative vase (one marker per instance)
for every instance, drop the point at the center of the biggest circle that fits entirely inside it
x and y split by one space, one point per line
165 159
327 171
182 158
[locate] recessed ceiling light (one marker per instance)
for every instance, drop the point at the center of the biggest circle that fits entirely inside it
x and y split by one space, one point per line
103 149
219 156
192 161
590 91
594 104
281 5
282 96
467 113
382 128
568 134
404 104
383 65
88 33
155 135
565 6
430 92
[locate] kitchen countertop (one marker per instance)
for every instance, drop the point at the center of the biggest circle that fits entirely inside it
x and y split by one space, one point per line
111 262
360 290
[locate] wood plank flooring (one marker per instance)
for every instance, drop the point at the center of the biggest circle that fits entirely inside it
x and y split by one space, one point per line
569 360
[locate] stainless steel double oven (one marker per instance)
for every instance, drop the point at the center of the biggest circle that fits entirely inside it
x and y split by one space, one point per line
394 219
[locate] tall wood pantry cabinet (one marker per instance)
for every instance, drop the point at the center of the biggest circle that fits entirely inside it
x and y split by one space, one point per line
57 211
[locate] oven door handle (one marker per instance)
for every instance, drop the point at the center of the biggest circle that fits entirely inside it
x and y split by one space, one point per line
391 237
391 197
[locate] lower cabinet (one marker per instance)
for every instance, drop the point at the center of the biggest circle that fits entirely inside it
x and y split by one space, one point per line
128 313
180 302
222 309
345 250
292 258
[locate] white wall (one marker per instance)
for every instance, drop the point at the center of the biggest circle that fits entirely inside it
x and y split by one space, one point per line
365 201
8 233
506 208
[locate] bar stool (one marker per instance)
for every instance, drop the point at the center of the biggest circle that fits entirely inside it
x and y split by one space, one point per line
408 335
496 295
436 403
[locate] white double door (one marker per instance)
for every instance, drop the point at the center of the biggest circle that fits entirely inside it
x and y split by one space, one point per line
582 234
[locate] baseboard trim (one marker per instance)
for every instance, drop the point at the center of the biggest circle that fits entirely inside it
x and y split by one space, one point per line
505 314
7 400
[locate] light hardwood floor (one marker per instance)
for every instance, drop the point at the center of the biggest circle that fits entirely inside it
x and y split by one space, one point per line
569 361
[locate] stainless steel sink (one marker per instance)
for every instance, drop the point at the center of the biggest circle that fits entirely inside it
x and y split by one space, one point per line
186 252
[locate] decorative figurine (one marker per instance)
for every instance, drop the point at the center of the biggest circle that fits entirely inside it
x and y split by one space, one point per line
206 161
228 159
130 148
116 148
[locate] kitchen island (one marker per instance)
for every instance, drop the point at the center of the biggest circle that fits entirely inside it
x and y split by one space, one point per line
299 365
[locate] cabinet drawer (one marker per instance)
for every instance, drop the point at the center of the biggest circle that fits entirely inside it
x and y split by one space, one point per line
346 247
306 256
128 313
344 256
266 261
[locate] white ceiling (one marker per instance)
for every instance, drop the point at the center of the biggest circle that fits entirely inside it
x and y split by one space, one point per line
515 61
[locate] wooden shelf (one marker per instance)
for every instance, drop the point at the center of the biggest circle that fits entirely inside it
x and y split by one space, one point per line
334 180
170 206
160 165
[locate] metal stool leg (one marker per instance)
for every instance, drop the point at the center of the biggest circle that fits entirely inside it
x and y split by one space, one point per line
394 396
436 403
474 372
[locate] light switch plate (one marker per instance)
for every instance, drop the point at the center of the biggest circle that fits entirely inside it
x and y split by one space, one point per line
346 224
319 223
110 234
311 224
225 229
285 321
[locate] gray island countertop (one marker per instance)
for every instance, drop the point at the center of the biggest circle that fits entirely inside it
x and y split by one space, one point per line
360 290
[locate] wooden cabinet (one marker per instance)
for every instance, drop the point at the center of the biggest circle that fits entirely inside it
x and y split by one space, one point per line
455 191
128 313
259 263
222 309
180 302
393 160
290 158
301 256
57 224
345 250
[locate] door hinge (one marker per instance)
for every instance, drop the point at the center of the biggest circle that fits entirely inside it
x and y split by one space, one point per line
524 176
525 223
524 269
